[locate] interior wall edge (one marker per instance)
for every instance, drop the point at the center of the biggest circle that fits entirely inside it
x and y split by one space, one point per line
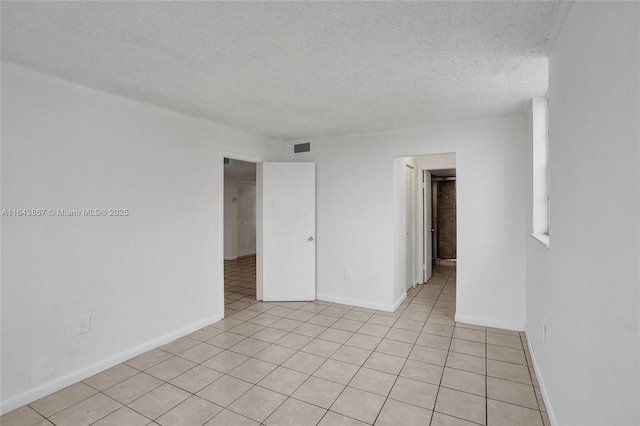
398 302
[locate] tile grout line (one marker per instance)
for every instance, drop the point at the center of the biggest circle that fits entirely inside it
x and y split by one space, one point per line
435 401
486 378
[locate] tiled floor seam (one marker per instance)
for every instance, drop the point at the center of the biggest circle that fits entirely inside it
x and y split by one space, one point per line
435 401
486 381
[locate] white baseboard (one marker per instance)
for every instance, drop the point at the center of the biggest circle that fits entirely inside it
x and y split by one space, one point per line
543 387
359 303
81 374
488 322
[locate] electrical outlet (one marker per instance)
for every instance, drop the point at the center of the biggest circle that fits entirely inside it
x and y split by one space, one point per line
347 273
544 334
84 325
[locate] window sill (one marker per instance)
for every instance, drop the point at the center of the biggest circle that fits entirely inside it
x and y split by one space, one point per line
542 238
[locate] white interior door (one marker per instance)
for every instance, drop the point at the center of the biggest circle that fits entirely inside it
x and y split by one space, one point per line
288 232
427 227
410 224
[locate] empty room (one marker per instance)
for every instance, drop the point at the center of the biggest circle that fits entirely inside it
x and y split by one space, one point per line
320 213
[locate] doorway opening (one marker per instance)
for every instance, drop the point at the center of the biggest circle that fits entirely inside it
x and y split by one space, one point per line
443 217
240 235
426 249
269 248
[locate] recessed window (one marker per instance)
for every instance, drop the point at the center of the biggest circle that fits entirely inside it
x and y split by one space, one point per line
540 115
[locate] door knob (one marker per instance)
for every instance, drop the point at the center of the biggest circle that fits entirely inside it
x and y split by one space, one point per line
310 239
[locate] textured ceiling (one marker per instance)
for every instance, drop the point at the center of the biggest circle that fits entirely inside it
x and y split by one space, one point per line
296 69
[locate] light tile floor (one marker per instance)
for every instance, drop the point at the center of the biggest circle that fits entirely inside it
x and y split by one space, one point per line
315 363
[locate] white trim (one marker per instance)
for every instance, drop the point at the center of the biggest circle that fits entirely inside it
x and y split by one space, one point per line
488 322
410 225
259 225
542 238
543 387
83 373
240 156
540 165
361 304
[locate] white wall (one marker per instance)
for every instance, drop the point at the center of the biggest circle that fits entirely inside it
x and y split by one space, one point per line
356 220
585 287
144 279
437 162
230 219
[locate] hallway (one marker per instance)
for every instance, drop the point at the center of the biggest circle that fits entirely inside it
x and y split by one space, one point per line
315 363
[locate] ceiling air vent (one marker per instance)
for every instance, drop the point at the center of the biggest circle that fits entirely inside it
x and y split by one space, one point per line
302 147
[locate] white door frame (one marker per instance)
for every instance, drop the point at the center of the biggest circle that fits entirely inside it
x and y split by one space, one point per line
426 234
219 223
410 228
440 161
